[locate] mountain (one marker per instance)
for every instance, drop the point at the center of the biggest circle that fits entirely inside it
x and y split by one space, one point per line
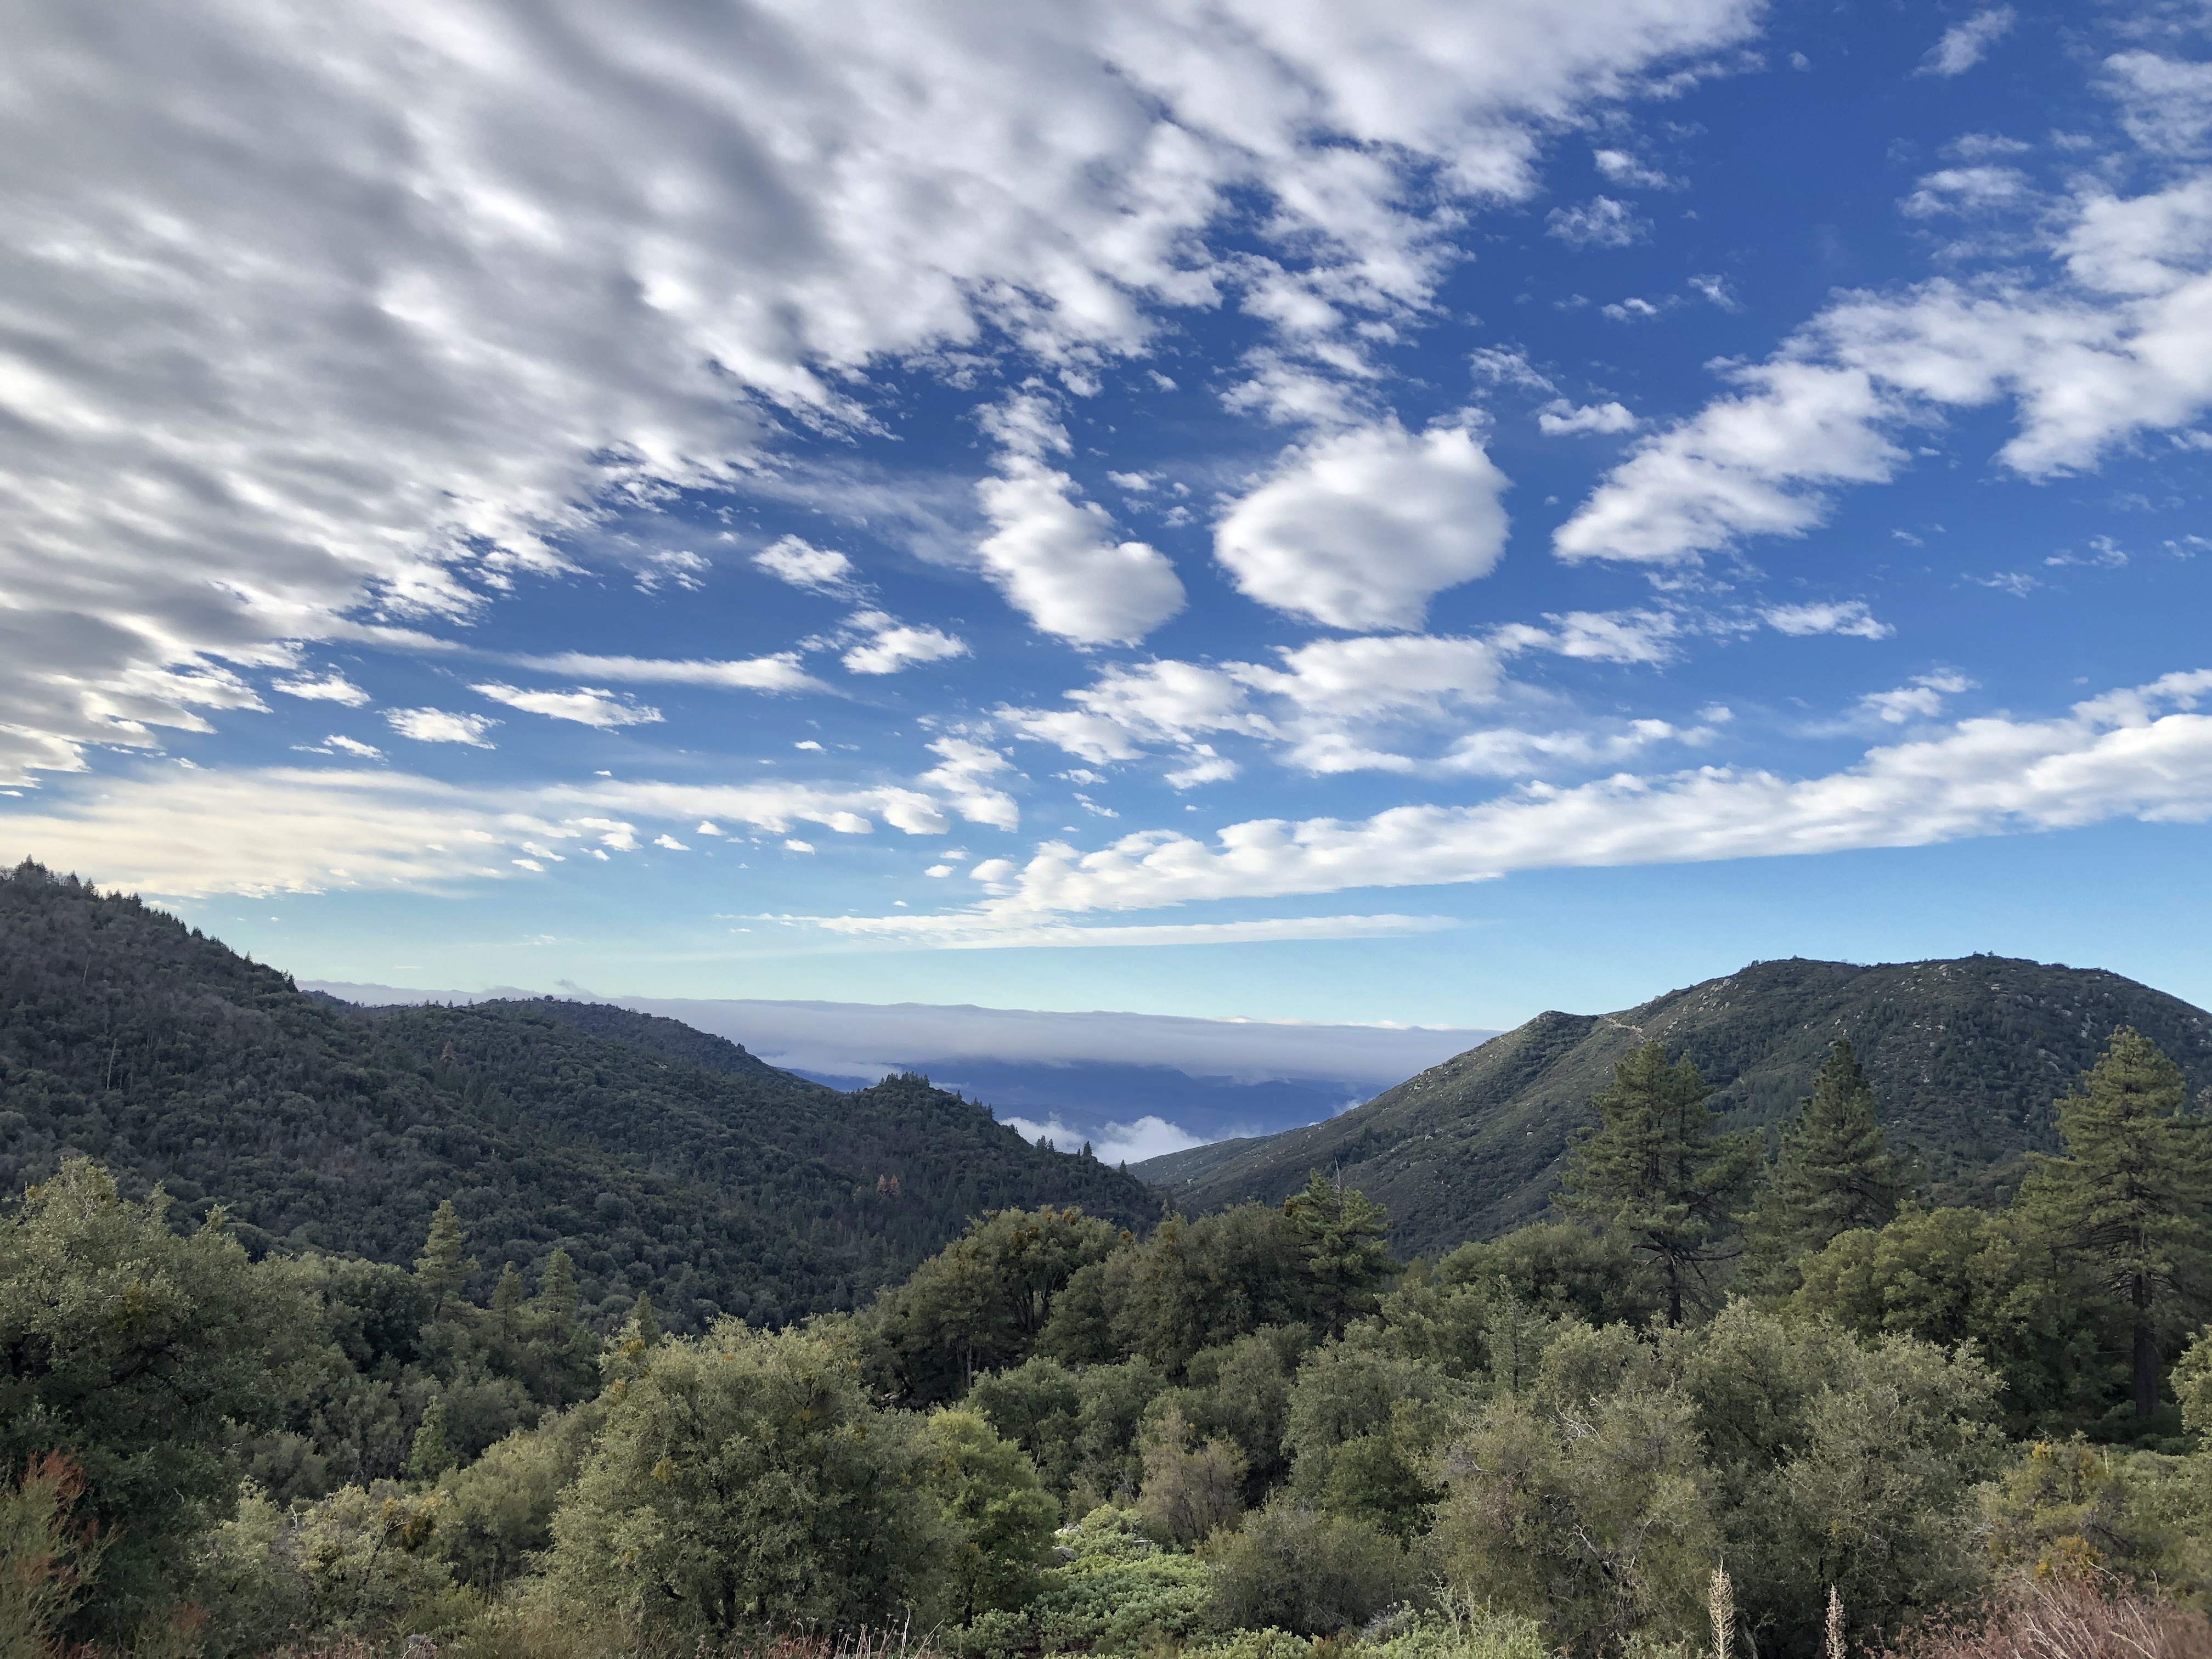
660 1158
1965 1058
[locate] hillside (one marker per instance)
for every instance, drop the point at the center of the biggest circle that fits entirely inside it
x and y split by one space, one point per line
660 1158
1965 1058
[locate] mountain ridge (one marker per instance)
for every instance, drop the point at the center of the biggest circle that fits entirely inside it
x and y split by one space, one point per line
1966 1056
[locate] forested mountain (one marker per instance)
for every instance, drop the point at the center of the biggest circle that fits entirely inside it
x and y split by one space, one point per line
662 1159
1965 1058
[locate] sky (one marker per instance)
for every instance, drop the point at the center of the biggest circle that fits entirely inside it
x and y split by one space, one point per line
1412 512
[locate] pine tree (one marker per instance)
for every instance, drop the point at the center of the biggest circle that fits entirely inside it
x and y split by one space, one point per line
433 1454
1835 1174
1341 1234
1654 1171
556 1288
2130 1196
507 1300
441 1270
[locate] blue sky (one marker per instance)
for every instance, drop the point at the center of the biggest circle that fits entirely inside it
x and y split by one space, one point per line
1413 512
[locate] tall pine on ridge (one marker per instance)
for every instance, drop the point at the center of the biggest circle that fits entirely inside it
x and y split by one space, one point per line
2130 1194
1654 1171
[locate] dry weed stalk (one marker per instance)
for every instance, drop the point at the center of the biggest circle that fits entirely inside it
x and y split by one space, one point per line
1833 1646
1720 1602
2070 1620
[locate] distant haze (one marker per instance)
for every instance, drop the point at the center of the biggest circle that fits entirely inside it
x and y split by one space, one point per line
1134 1085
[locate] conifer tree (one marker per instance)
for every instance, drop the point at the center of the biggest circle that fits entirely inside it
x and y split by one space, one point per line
432 1453
2130 1196
1654 1171
1341 1233
1835 1174
556 1301
441 1270
507 1300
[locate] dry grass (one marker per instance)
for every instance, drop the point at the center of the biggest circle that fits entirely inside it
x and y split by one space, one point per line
2067 1621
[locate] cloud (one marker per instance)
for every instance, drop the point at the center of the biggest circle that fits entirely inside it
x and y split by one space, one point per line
960 773
1599 222
1115 1143
584 705
1964 45
2166 103
352 746
1846 616
1620 167
1052 556
1360 529
436 726
795 845
671 844
333 687
1561 419
893 645
1496 366
973 932
1968 189
1922 700
259 392
779 672
816 569
2141 753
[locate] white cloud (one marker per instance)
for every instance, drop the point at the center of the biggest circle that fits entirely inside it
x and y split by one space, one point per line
1847 617
1922 700
1620 167
1360 529
1716 289
893 645
1561 419
2142 753
431 338
671 844
1964 45
808 743
183 834
584 705
2166 102
1054 558
333 687
972 931
1599 222
353 746
816 569
1968 189
960 774
436 726
707 827
796 846
779 672
1116 1143
1498 366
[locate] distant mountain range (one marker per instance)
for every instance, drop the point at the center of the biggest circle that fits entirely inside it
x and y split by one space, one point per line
1965 1058
1135 1085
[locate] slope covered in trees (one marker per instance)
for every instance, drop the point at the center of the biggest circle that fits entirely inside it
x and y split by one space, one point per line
660 1159
1966 1058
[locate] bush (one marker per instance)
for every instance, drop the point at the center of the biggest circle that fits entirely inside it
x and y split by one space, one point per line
1122 1593
1187 1492
1301 1571
2067 1618
47 1559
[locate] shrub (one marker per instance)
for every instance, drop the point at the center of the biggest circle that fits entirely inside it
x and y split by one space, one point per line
1304 1572
1122 1593
47 1559
2067 1618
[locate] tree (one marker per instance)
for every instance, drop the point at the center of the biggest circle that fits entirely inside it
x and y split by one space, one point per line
1654 1170
746 1478
138 1354
441 1269
1834 1173
2129 1197
998 1514
433 1453
1341 1234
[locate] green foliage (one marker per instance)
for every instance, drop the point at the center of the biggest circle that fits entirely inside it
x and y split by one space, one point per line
1965 1057
1361 1427
2070 1510
660 1160
498 1512
1122 1593
1561 1270
1297 1569
432 1453
2128 1200
1835 1175
998 1513
1189 1489
1341 1235
48 1558
743 1476
1655 1171
1460 1628
981 1302
132 1351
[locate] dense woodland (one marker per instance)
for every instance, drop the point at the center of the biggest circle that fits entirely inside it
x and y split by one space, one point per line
1732 1393
662 1160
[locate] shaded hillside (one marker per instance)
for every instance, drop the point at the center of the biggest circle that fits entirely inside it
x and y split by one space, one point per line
127 1036
1965 1058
